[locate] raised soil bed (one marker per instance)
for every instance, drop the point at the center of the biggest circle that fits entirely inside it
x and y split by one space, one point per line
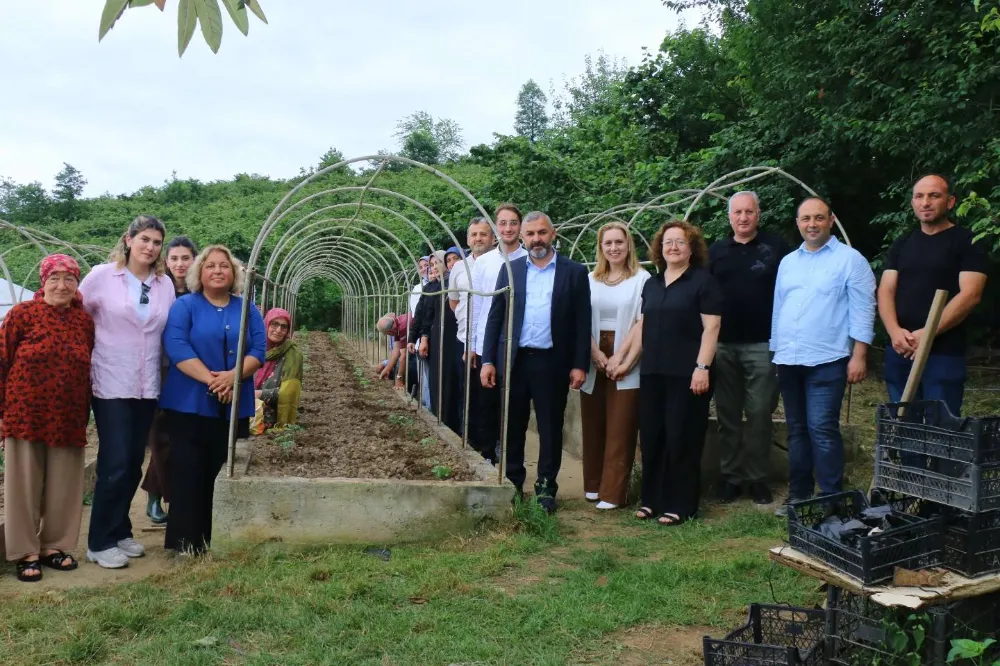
364 467
354 425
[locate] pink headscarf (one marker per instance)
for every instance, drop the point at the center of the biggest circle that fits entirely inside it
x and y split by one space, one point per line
53 264
267 369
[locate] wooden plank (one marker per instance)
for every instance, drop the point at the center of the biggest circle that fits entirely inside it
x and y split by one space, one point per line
954 586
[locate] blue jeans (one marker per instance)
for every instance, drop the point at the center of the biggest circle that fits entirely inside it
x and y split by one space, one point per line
943 379
123 431
812 397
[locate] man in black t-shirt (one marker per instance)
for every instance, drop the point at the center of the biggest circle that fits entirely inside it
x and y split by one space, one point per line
938 255
746 265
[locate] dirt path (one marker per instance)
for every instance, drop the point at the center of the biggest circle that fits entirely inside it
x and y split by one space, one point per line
91 575
353 425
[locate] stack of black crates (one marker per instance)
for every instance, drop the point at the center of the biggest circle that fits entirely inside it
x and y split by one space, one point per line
941 476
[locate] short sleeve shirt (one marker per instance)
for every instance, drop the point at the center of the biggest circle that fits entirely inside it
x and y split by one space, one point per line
671 320
925 263
402 324
746 273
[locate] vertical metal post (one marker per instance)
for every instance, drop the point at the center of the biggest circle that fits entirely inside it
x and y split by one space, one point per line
234 411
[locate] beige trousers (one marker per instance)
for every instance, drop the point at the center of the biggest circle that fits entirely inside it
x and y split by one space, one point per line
43 497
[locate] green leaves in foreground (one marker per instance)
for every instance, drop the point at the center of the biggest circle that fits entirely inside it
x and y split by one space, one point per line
190 13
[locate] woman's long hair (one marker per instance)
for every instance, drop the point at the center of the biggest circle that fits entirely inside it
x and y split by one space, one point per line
603 265
119 255
185 242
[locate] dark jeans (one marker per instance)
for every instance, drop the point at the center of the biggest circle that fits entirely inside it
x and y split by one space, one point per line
198 451
943 378
812 396
536 378
673 422
123 431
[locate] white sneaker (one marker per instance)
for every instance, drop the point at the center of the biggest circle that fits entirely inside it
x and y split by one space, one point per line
131 547
112 558
604 506
591 497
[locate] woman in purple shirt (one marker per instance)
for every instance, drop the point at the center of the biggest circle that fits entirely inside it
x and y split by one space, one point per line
129 298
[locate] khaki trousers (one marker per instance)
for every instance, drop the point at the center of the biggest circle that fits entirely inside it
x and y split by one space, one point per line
610 429
43 490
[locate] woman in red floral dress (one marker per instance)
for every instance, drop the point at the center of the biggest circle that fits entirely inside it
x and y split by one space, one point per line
45 407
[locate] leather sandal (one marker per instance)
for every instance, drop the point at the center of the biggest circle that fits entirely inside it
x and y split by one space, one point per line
23 567
644 513
670 520
59 561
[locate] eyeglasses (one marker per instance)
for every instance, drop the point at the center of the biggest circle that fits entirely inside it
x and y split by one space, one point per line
144 297
278 325
670 242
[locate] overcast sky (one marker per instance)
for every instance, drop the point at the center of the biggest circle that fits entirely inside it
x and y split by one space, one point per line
127 111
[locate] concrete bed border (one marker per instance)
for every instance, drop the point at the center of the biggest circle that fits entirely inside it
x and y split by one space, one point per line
351 510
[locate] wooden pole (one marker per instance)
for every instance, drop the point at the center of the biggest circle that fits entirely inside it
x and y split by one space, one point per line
924 348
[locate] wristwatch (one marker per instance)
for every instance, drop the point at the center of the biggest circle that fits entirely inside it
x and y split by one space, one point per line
701 366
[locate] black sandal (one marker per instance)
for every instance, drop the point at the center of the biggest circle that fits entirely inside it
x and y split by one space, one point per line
670 520
23 567
59 561
644 513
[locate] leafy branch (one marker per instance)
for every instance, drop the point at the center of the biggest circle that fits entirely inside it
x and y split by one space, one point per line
190 13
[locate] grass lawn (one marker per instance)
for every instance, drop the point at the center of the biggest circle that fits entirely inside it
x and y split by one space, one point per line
579 588
540 591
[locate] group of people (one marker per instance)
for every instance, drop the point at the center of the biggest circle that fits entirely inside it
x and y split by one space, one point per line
744 321
148 343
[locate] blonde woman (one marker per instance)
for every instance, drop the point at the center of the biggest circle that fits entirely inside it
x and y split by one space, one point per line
129 298
201 340
610 397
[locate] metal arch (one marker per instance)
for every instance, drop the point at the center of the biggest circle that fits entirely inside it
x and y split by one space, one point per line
323 248
343 228
282 208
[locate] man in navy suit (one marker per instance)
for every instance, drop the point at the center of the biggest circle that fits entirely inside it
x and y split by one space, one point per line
550 350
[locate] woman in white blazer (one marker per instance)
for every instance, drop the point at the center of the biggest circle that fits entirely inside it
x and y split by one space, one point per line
610 396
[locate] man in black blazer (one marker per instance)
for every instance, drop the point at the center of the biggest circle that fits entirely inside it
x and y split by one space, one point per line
550 350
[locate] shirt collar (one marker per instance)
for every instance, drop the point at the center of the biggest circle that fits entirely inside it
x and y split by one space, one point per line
752 241
831 244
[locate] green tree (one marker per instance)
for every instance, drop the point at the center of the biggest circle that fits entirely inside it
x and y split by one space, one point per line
420 145
531 119
330 157
190 14
27 205
445 133
68 191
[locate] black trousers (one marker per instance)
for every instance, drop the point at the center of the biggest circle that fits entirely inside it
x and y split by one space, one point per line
536 379
474 387
198 451
672 426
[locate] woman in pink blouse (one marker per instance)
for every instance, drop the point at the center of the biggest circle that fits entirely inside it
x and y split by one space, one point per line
129 298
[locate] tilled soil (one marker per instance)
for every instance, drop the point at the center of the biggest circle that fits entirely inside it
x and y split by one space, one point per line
353 426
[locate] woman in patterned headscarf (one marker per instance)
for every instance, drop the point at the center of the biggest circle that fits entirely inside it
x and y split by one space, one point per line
45 406
278 384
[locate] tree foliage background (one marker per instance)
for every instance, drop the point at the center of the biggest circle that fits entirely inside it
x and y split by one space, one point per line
857 99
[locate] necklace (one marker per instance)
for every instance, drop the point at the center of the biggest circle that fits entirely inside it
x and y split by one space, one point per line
616 282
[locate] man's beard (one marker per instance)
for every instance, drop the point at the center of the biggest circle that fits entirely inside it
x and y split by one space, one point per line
539 251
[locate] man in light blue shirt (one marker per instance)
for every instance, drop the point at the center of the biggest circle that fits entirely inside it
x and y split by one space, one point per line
821 325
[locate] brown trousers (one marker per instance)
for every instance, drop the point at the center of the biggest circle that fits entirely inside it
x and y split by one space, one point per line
157 481
610 430
43 488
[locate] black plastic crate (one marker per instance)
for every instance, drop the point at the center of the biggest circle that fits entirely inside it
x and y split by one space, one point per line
772 636
861 632
918 544
929 453
927 427
971 540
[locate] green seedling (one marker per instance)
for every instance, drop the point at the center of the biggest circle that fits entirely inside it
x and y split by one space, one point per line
441 472
428 441
399 419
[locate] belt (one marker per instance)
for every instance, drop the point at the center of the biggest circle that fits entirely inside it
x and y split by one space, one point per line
534 350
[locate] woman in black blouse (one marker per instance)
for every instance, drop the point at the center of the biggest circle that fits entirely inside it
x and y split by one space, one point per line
676 334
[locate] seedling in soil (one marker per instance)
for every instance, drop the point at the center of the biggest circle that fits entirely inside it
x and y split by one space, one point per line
428 441
399 419
286 437
441 472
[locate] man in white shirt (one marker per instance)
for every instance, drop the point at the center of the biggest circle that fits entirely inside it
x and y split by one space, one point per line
485 272
480 239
